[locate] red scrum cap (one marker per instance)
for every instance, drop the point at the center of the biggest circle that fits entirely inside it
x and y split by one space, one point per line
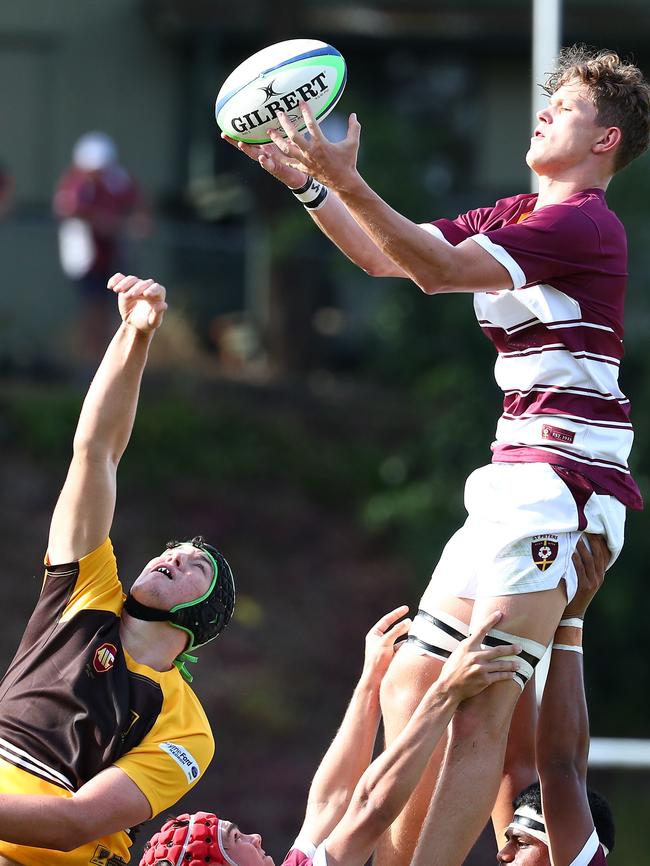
188 840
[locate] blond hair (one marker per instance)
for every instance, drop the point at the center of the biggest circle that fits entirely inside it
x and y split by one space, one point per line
619 91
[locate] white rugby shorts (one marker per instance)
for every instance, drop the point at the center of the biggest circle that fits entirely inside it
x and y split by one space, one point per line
521 530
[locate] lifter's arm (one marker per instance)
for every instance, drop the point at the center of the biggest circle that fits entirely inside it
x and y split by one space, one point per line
389 781
84 512
351 749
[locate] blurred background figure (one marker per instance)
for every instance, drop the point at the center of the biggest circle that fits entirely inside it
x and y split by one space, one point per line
99 207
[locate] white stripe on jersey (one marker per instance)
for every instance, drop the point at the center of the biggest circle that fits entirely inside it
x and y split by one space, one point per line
581 325
558 369
548 305
13 755
560 347
551 368
435 231
600 446
504 258
580 392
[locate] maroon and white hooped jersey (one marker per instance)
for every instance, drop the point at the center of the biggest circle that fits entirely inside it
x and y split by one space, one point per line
558 334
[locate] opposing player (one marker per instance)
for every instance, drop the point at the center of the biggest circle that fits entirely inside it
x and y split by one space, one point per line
99 730
351 804
548 274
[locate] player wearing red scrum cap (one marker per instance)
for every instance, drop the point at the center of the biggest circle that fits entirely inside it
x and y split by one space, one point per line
351 801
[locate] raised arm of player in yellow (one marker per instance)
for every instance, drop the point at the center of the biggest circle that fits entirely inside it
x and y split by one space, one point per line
84 512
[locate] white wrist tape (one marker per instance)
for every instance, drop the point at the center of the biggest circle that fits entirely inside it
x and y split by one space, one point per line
570 647
573 621
311 194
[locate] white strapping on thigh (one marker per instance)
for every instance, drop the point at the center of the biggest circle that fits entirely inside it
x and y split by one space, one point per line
437 634
531 653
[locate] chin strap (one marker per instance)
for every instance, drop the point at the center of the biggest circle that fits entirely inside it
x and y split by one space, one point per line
143 611
152 614
181 661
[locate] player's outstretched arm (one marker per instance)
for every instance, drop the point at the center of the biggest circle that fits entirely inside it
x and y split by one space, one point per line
84 512
434 265
389 781
351 749
332 218
104 805
563 730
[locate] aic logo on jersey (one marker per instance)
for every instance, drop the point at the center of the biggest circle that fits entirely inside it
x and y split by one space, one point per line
103 857
104 658
544 549
184 760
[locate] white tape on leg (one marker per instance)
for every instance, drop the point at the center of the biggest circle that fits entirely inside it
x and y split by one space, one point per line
436 634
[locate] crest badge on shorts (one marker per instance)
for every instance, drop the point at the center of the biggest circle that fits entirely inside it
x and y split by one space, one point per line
544 550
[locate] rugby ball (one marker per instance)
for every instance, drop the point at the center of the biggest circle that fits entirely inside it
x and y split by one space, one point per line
276 79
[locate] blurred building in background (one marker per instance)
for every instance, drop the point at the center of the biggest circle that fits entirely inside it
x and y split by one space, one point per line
442 90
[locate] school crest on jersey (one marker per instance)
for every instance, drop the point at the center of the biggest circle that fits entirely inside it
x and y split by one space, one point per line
104 658
102 856
544 550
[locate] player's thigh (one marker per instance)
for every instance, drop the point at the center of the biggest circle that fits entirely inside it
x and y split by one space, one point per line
531 616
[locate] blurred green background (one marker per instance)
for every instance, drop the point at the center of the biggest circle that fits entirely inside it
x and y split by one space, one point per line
304 416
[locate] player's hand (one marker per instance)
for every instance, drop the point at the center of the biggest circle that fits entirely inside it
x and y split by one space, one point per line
272 160
331 163
141 302
590 567
380 642
470 668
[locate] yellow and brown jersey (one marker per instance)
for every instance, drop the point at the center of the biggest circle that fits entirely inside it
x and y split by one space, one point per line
73 702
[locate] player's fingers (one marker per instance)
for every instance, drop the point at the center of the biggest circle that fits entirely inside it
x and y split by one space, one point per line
284 145
230 140
499 676
502 665
154 292
125 283
310 121
156 314
114 280
390 618
297 164
578 559
289 127
354 128
138 289
483 627
398 630
251 150
267 162
600 552
497 652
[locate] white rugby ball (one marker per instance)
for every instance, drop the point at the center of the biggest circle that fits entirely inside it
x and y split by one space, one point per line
276 79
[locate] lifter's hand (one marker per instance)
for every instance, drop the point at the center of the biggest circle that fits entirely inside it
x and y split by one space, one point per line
141 302
381 643
331 163
590 567
271 158
470 668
